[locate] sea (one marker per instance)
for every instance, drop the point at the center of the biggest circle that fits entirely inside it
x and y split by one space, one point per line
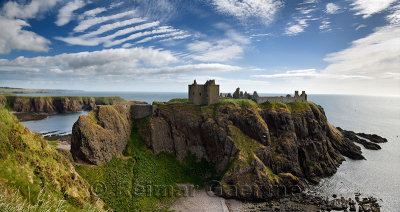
378 175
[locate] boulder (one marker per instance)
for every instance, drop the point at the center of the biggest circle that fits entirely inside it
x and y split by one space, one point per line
100 135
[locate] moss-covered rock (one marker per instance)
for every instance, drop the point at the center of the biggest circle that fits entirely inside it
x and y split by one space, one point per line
268 145
33 171
100 135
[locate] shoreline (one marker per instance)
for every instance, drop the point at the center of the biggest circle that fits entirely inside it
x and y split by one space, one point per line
203 200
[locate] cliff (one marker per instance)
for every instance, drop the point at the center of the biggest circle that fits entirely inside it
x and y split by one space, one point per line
35 177
266 146
256 150
57 104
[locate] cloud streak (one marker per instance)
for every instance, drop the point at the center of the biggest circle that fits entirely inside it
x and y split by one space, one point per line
246 10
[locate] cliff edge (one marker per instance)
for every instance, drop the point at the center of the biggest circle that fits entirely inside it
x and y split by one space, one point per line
258 151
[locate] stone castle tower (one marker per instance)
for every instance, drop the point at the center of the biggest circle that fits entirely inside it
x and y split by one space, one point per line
204 94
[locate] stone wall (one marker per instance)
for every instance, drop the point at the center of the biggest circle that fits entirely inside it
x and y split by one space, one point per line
139 111
203 94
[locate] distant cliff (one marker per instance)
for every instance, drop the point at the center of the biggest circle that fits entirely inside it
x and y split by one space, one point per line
272 145
56 104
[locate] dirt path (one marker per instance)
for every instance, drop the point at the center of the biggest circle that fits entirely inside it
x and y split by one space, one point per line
203 201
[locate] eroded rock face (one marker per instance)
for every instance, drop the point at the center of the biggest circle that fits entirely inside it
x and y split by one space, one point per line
100 135
50 104
260 146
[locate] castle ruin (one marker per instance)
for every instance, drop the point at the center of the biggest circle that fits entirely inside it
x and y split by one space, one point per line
209 94
204 94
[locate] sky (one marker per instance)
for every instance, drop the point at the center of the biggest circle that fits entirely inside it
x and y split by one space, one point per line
269 46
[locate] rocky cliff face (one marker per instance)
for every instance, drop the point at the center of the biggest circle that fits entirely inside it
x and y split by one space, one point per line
57 104
101 134
254 148
265 146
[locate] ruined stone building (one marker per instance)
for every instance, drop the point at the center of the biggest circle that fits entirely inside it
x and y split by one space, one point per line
259 99
204 94
209 94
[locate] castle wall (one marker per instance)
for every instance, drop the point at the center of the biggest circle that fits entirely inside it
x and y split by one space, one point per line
283 99
204 94
196 94
212 94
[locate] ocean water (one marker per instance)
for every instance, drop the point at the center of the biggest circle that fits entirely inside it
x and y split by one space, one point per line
378 175
60 124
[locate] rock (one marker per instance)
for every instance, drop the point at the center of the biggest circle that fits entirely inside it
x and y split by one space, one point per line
50 104
355 138
373 137
273 147
100 135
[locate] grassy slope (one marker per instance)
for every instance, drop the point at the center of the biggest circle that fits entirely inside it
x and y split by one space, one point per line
32 172
130 181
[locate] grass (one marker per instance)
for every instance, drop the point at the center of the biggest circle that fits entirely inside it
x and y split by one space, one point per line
140 180
179 100
273 105
30 166
298 107
245 144
238 102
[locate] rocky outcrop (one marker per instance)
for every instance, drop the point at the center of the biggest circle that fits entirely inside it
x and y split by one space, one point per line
57 104
261 146
356 137
100 135
258 151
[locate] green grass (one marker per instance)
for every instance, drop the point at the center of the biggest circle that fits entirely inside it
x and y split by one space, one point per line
299 107
238 102
29 166
179 100
273 105
132 180
245 144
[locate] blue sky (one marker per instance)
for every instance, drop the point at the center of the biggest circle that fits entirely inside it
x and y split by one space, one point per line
272 46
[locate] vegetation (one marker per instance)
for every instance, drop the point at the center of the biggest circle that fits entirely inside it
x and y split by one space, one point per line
7 90
32 172
140 180
245 144
179 100
239 102
298 107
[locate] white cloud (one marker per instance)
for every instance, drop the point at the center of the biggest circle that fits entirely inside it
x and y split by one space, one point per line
231 47
309 73
263 10
89 40
65 13
172 36
87 23
295 29
137 62
108 27
15 33
332 8
104 62
366 8
325 25
93 12
394 17
301 18
13 9
372 55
